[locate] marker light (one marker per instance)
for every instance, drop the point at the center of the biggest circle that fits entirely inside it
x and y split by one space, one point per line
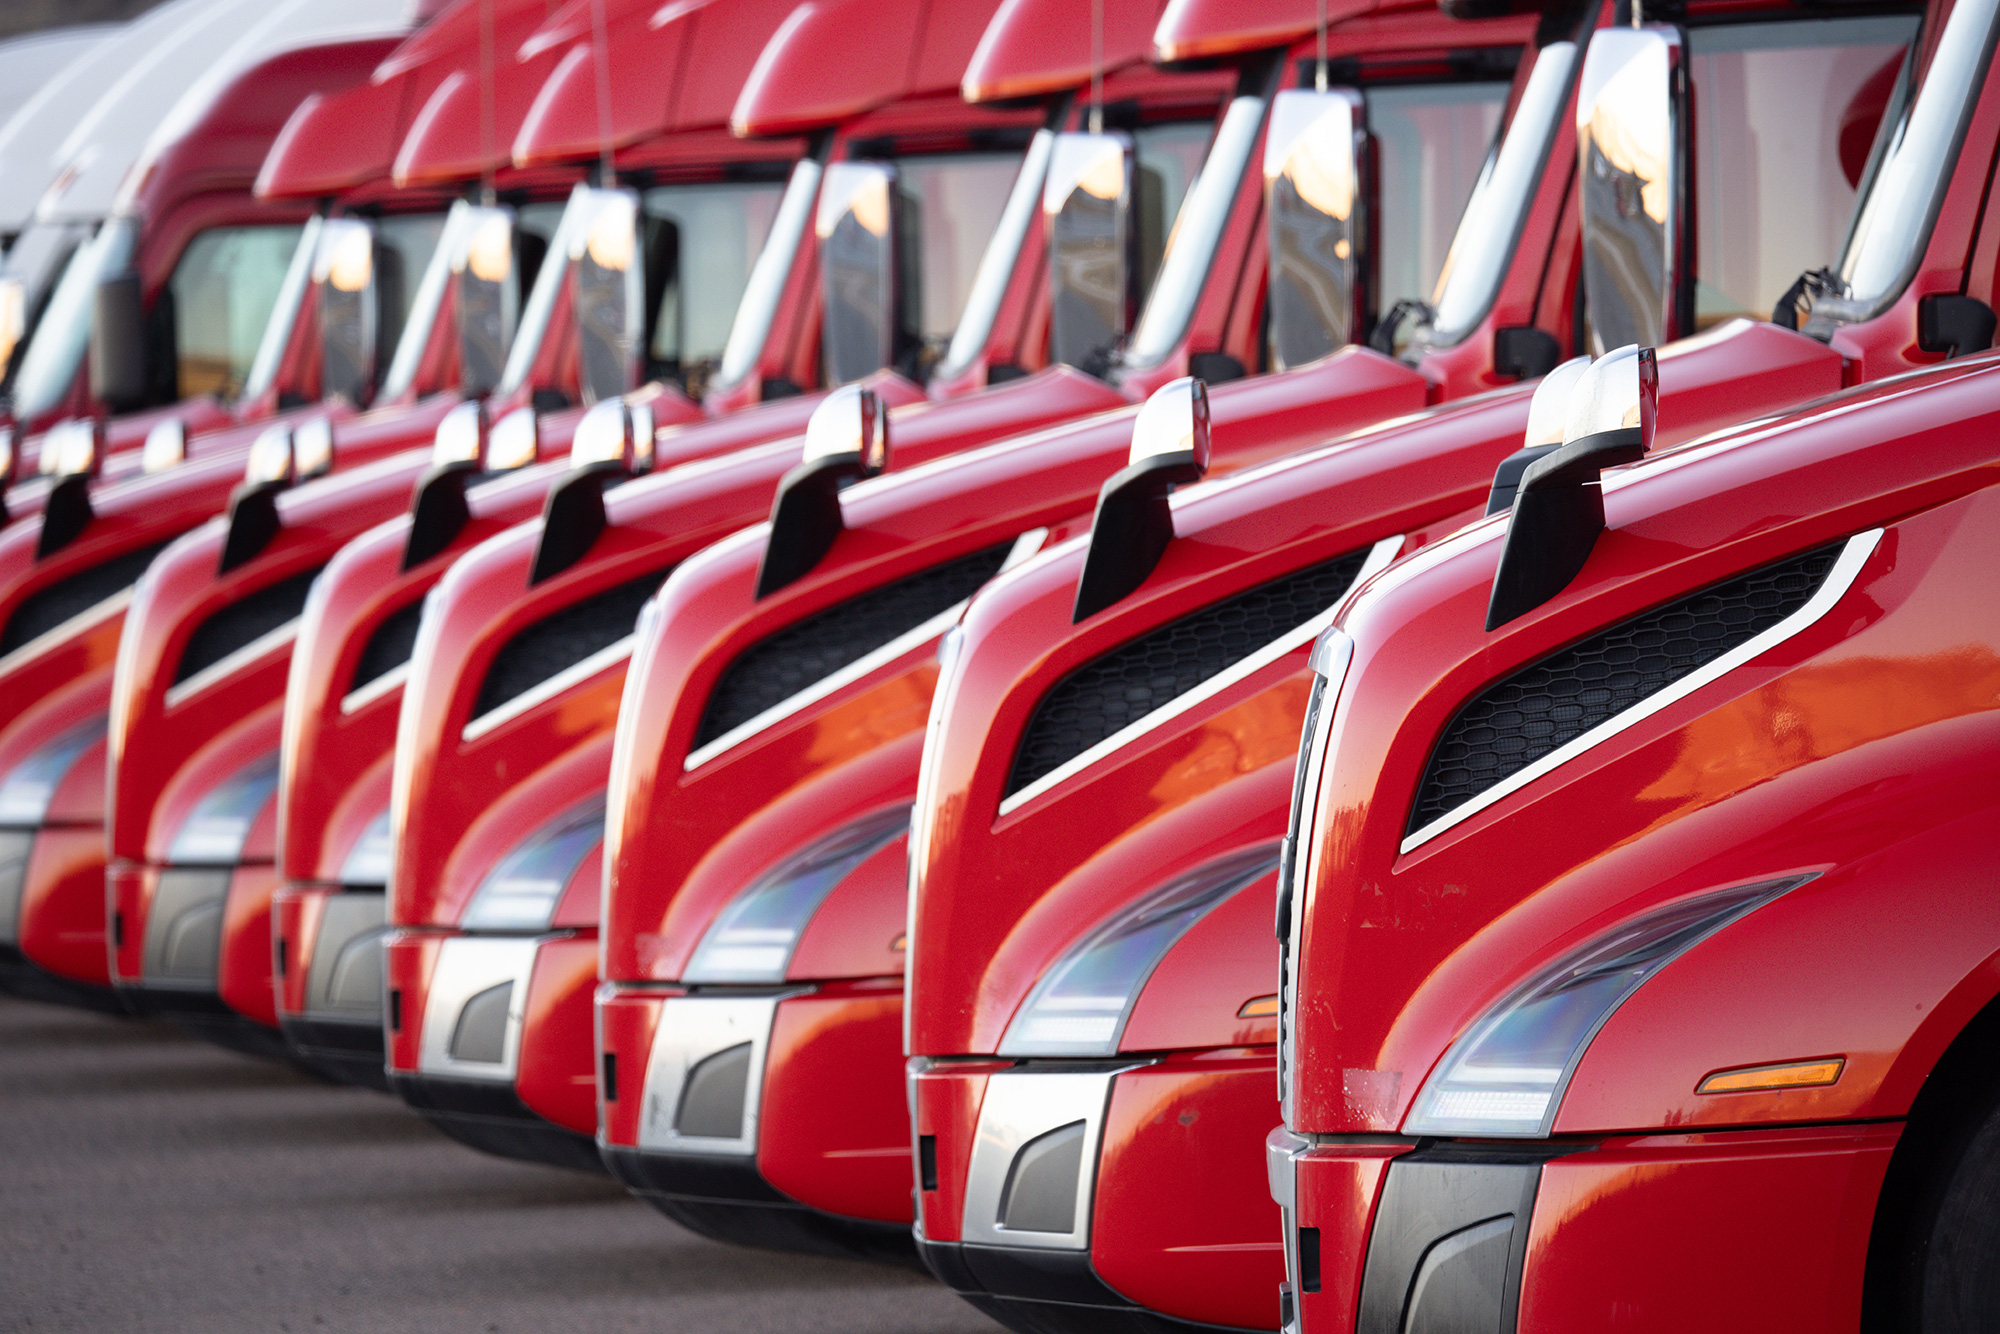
753 938
1507 1074
1761 1078
166 445
1260 1007
1081 1004
520 894
214 833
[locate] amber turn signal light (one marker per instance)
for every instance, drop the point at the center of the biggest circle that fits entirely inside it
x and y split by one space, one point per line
1261 1007
1759 1078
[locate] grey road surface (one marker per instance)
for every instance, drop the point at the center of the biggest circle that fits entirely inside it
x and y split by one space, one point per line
151 1182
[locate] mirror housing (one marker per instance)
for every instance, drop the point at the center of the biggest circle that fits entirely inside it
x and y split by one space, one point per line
1558 510
488 297
1631 128
120 377
1544 434
614 441
856 225
847 439
343 271
609 293
280 456
1134 523
1316 210
166 446
464 449
1092 247
72 452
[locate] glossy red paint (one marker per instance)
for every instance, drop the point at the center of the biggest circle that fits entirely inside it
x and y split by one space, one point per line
1031 47
1338 1187
556 1021
945 1099
625 1023
461 130
1192 29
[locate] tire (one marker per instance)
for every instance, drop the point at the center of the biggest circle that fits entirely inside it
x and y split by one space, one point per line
1952 1283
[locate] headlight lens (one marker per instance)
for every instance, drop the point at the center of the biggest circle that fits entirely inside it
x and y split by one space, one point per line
1081 1004
520 894
27 791
222 819
753 938
368 861
1507 1074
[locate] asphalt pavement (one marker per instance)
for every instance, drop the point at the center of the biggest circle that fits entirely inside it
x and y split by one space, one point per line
152 1182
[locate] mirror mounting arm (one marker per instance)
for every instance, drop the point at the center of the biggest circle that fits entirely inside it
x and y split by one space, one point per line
65 514
805 518
573 517
1131 529
438 510
253 522
1558 512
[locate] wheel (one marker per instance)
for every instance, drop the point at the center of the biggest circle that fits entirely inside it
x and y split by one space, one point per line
1952 1284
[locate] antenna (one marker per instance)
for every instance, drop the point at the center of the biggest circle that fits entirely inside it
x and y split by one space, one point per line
487 194
1319 35
601 48
1097 66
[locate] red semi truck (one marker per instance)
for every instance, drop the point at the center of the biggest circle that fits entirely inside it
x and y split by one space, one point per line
1092 972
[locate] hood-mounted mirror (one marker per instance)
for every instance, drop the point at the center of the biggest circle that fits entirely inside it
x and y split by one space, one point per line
165 447
857 260
483 268
1546 413
466 448
1316 210
343 272
9 461
72 451
1609 418
1134 523
609 292
847 439
1631 128
1093 248
280 456
613 442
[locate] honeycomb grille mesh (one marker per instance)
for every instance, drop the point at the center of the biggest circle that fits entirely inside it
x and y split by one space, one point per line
48 608
563 639
780 665
1547 704
244 621
1110 692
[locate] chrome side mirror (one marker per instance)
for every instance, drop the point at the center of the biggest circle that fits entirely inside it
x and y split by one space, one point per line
166 445
1093 248
466 445
1609 418
489 299
857 259
615 435
343 271
1545 431
614 441
1316 211
609 292
846 439
279 456
72 451
1630 131
1134 524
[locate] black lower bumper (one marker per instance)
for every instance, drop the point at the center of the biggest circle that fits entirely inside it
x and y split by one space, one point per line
728 1199
21 976
205 1015
1045 1292
348 1053
492 1118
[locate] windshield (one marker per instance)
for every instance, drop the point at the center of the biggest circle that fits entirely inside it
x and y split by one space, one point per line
404 244
1785 124
537 231
284 311
33 263
49 365
701 243
1431 143
222 293
766 285
949 208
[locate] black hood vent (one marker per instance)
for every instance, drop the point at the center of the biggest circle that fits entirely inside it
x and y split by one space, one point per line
562 640
45 609
1111 692
780 665
394 640
1546 705
244 621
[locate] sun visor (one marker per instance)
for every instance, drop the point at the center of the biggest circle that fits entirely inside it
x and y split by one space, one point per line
1191 29
335 141
1034 47
807 77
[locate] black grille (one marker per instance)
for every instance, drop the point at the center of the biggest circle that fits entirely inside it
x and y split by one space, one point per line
243 621
1115 690
44 610
561 641
780 665
391 644
1517 720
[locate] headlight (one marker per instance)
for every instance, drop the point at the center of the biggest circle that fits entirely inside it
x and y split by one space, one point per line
27 791
753 938
221 820
520 894
1080 1005
1507 1074
369 860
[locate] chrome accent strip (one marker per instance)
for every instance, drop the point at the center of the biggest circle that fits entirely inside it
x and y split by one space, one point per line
222 667
1021 1106
467 966
1379 556
572 675
1846 569
692 1029
356 700
1024 546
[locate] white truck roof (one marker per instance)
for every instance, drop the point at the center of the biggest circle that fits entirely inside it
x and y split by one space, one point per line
30 61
